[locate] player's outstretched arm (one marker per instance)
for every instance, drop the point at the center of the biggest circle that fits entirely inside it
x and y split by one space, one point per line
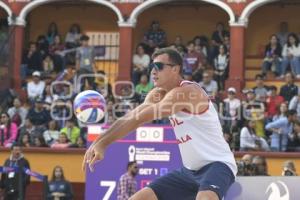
174 101
154 96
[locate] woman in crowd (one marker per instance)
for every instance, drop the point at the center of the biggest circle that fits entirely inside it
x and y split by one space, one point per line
221 67
52 134
73 36
9 131
140 61
51 33
250 141
25 140
61 142
291 55
59 187
272 60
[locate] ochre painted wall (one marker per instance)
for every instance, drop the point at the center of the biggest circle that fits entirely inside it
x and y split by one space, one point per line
90 17
265 21
44 162
186 21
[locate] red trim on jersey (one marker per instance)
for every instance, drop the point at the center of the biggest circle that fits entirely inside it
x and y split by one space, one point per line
187 111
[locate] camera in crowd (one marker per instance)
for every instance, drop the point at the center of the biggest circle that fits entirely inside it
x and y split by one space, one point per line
256 166
245 169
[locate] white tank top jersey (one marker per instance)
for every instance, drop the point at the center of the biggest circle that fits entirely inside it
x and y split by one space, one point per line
200 138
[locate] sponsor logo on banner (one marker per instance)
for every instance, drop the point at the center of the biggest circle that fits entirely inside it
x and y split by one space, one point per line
147 154
275 189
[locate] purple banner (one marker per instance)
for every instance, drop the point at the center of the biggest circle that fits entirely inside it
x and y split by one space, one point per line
156 151
154 148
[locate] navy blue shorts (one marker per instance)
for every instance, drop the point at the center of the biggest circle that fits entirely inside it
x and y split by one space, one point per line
184 184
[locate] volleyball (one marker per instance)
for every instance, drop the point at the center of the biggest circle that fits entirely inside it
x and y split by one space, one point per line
89 106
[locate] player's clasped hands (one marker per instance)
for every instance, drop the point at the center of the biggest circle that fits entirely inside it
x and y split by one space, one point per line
94 153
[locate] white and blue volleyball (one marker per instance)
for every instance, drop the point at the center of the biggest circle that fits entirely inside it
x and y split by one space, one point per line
89 106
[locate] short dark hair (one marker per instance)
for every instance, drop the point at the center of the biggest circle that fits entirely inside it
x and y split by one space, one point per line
129 164
291 112
258 76
84 38
173 54
273 87
15 145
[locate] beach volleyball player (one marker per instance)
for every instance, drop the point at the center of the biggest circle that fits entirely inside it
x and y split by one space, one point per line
208 164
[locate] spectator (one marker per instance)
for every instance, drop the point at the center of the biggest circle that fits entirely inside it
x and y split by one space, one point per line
221 67
25 140
52 134
260 166
272 60
226 43
231 109
291 55
289 169
42 45
192 60
71 131
59 187
281 128
72 39
40 142
201 45
80 143
245 166
249 141
273 101
85 60
179 42
49 97
10 181
294 138
281 113
35 87
48 65
61 111
127 183
155 37
295 104
38 115
140 63
217 39
17 113
55 51
61 142
210 85
289 90
52 32
9 131
143 87
32 60
188 75
29 129
283 33
254 109
260 89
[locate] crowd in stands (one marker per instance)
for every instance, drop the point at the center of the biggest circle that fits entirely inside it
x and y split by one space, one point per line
264 119
282 53
255 165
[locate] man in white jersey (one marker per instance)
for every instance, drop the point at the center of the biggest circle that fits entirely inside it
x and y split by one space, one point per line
209 166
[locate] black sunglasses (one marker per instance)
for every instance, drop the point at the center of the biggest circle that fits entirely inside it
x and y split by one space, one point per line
159 66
